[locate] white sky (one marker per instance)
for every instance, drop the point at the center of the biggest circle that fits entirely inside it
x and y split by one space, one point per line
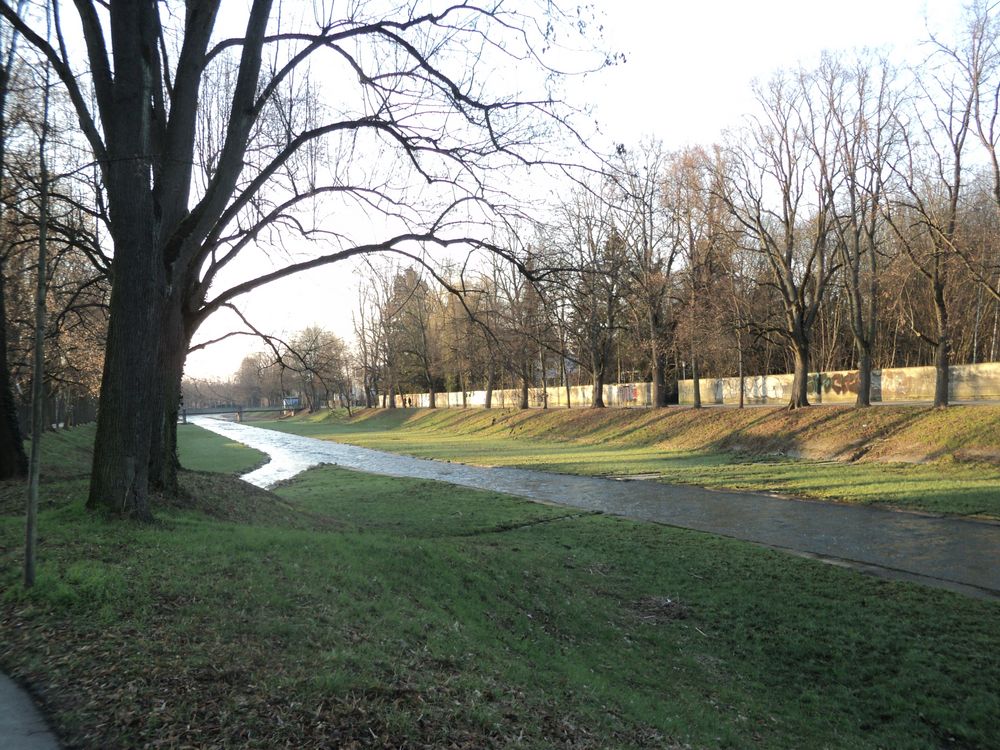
687 77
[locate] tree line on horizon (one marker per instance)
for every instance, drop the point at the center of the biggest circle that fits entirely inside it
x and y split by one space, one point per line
851 223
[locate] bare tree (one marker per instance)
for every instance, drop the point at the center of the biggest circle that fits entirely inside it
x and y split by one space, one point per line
596 283
926 206
38 361
649 230
974 61
368 336
774 190
417 333
692 198
517 316
854 157
316 358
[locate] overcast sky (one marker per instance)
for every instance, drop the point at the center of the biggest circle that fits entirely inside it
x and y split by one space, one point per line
687 78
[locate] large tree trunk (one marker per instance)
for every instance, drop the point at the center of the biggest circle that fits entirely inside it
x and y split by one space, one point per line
695 384
800 382
739 370
13 460
659 360
525 382
119 480
565 380
545 384
491 377
941 374
163 459
659 380
597 398
864 398
942 350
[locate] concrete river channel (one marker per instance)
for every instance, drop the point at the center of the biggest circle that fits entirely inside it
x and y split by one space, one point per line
954 553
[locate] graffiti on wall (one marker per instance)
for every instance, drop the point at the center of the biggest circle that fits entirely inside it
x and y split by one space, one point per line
840 383
761 388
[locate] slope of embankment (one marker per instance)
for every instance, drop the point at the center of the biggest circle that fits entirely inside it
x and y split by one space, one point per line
884 433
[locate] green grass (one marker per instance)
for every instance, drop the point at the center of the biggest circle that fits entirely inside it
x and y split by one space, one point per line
203 450
946 486
350 610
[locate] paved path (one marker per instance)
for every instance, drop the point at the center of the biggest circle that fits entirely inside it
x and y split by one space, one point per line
954 553
21 726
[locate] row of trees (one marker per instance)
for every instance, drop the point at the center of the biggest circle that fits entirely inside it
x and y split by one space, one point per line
852 222
314 364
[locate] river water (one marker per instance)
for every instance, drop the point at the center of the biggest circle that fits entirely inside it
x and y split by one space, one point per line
954 553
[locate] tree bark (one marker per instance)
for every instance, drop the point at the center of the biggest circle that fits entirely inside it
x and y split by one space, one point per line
164 461
38 359
597 398
659 380
139 222
525 382
119 479
565 380
864 398
739 369
942 350
695 385
13 460
545 384
491 376
658 358
800 382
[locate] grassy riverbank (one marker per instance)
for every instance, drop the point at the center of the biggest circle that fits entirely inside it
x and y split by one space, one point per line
201 450
868 456
348 610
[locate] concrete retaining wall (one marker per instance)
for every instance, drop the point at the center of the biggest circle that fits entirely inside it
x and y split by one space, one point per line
967 383
617 394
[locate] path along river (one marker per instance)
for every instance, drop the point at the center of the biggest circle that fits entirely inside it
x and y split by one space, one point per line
954 553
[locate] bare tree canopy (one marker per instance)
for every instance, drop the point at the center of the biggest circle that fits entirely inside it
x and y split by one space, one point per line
213 132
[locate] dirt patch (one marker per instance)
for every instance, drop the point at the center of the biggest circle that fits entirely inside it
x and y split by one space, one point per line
659 609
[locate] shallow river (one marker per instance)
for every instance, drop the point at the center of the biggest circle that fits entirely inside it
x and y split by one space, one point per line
950 552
